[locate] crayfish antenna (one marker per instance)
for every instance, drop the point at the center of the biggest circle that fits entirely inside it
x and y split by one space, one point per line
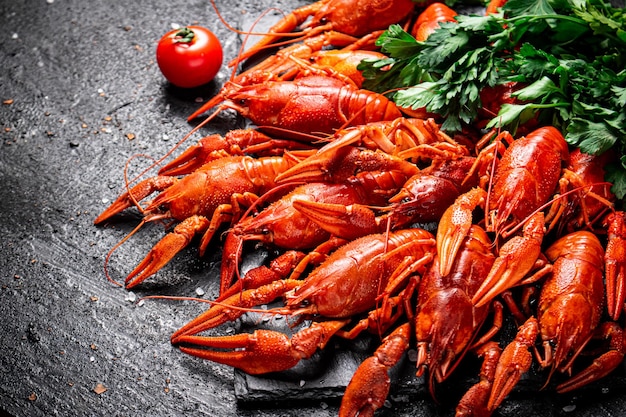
284 28
114 248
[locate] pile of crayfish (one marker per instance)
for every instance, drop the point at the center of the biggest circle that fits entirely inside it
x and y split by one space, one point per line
386 224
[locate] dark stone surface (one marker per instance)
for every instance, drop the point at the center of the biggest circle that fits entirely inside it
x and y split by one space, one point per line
81 77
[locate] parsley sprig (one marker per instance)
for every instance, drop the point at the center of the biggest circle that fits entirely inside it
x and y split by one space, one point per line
569 55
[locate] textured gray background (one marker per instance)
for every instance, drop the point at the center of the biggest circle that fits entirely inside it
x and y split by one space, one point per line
67 65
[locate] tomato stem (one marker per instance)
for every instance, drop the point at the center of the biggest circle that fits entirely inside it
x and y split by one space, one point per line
185 35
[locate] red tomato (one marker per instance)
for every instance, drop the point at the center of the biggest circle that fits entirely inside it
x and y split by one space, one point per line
189 57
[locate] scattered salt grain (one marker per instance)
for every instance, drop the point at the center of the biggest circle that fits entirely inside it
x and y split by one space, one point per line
14 36
569 408
302 382
174 25
49 1
131 297
199 292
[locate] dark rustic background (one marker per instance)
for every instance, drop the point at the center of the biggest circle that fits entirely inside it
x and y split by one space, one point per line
82 94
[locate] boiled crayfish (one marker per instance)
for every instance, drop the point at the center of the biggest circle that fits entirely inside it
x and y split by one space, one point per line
384 223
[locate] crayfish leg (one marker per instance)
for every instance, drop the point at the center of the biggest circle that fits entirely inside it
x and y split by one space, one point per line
474 402
615 264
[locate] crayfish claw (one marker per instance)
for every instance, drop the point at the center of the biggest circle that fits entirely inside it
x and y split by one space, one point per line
263 351
600 367
329 164
235 306
192 158
278 269
369 386
257 353
347 222
517 258
134 195
166 249
515 361
455 225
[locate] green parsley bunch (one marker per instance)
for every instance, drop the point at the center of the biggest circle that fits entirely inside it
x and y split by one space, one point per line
569 55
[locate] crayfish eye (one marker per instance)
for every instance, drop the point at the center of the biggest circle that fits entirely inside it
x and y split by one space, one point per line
243 101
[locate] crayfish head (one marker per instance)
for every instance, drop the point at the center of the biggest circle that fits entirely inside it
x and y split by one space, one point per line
424 198
565 330
181 200
448 337
258 102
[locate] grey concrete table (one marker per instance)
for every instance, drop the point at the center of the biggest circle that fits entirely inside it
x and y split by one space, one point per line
81 94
